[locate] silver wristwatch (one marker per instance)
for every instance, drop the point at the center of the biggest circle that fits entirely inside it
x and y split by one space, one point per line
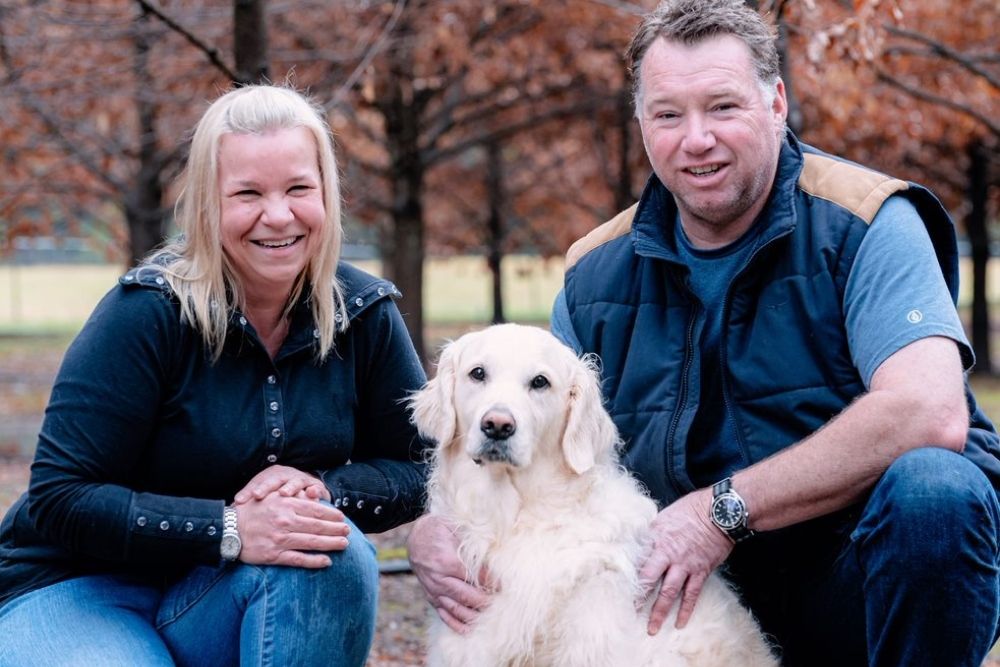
729 511
231 543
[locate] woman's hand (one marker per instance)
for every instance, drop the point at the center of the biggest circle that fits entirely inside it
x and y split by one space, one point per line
282 530
287 481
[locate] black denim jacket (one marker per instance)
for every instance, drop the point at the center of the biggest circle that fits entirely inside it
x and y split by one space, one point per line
145 438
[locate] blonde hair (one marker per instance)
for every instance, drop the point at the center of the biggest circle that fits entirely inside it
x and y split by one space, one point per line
194 263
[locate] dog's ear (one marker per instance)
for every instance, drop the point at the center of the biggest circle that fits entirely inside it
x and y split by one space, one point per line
590 433
433 407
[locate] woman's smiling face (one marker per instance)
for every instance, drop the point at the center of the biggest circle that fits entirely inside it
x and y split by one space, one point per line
271 208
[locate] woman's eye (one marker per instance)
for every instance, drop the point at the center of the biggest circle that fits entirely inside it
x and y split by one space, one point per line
478 374
539 382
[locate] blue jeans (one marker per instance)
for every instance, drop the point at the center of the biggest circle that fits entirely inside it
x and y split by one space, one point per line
910 578
236 614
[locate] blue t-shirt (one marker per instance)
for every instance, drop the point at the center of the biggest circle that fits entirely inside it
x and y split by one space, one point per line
895 295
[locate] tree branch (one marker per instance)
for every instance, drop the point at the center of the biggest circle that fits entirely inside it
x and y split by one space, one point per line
946 52
210 52
434 156
370 54
920 94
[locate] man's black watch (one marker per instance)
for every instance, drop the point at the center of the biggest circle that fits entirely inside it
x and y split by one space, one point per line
729 511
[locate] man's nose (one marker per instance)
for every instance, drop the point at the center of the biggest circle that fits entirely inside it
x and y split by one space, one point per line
699 136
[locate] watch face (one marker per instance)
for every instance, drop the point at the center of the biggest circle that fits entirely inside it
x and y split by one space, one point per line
727 511
230 546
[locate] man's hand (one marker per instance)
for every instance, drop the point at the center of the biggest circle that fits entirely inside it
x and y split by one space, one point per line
687 548
288 482
279 530
433 551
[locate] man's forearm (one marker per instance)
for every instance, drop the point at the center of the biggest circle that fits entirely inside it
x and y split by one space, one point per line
918 400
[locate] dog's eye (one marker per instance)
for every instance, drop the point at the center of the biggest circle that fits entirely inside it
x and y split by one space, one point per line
539 382
478 374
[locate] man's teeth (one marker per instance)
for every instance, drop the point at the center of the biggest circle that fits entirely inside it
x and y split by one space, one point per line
277 244
700 171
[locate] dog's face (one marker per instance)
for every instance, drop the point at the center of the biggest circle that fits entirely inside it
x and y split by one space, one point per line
510 394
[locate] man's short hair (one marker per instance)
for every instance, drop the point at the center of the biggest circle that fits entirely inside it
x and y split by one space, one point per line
691 21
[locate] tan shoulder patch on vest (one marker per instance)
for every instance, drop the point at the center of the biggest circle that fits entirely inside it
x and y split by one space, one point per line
857 189
617 226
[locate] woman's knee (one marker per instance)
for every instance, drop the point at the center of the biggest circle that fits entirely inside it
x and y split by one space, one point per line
352 575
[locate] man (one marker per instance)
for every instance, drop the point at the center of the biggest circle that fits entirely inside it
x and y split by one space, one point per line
783 358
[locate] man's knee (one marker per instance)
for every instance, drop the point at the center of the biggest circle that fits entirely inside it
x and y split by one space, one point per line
932 501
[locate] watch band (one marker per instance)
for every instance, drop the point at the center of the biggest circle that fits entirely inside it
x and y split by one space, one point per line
231 544
229 519
741 531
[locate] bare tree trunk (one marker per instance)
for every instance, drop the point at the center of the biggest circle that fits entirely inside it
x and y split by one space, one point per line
250 41
495 230
143 202
623 192
405 251
975 225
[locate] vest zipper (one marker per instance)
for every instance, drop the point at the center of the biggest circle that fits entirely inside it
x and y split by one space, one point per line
681 400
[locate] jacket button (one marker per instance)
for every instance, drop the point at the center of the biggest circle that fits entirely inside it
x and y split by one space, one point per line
359 302
271 458
142 521
188 527
211 530
378 509
164 525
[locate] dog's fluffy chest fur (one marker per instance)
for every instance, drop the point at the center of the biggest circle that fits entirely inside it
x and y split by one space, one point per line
527 476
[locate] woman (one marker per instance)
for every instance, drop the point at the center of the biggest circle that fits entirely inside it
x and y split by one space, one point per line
216 395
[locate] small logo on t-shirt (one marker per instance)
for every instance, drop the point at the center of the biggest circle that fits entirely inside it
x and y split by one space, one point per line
914 316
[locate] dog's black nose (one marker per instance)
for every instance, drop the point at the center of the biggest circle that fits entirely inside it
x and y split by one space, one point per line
498 424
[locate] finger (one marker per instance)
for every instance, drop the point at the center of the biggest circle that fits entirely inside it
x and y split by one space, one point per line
311 542
457 610
266 487
451 621
293 486
318 491
318 527
652 571
315 510
301 559
467 595
673 584
692 589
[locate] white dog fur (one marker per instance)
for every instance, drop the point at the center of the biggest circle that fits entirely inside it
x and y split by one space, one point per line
551 518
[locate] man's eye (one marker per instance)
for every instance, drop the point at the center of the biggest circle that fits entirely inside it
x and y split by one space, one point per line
478 374
539 382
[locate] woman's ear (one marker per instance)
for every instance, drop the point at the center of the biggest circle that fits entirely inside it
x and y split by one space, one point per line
433 407
590 432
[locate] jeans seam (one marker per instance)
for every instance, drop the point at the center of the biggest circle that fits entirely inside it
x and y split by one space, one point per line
180 612
266 627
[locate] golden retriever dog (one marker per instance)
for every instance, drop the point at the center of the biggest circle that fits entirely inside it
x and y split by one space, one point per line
526 472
